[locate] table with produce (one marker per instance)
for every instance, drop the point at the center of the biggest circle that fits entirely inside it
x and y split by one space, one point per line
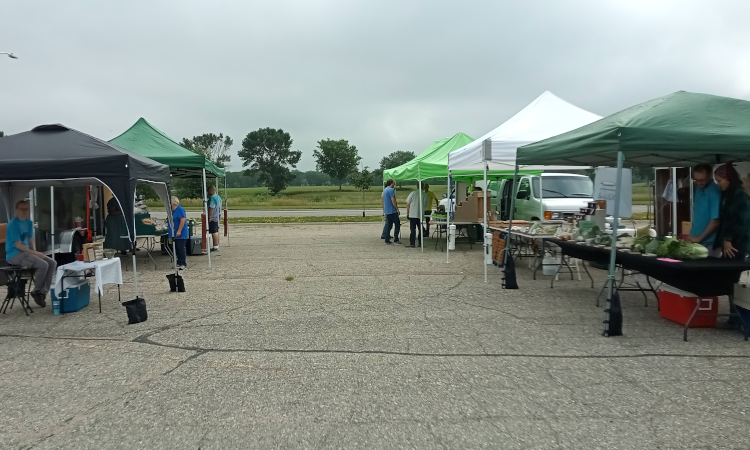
676 262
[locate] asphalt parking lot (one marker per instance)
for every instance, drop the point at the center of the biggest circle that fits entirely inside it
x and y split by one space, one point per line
368 346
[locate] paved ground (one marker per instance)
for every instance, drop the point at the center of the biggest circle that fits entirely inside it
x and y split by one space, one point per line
370 346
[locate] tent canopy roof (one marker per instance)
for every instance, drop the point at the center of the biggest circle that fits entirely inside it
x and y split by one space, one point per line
52 152
546 116
680 129
50 155
146 140
431 163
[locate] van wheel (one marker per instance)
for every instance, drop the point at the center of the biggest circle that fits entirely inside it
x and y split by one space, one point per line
535 218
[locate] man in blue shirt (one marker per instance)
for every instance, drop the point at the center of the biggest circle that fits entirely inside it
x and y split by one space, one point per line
214 216
706 203
180 232
390 208
20 250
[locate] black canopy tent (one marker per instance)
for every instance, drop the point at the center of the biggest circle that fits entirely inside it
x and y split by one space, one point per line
55 155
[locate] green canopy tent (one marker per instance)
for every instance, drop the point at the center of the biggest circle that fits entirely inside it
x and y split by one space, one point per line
680 129
146 140
431 163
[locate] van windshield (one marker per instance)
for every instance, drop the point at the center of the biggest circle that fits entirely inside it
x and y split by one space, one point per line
564 187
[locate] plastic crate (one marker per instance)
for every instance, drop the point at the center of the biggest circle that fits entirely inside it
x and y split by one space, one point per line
678 306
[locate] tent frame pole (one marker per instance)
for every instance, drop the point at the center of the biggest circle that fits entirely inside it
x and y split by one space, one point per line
226 206
509 237
205 211
613 250
484 223
448 219
674 201
421 215
52 219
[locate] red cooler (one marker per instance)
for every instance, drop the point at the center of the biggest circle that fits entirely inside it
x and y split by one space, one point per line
677 306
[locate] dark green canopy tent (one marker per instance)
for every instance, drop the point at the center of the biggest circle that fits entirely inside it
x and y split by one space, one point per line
679 129
146 140
676 130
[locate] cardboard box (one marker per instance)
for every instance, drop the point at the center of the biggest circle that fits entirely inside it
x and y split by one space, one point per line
686 227
601 204
90 251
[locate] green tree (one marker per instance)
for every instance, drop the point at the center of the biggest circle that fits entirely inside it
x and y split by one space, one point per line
361 180
214 147
268 153
2 134
338 159
395 159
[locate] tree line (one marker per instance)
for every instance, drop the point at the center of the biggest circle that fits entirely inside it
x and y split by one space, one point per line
268 160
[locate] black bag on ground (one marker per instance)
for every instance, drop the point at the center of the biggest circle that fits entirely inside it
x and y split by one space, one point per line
613 326
509 281
136 310
176 283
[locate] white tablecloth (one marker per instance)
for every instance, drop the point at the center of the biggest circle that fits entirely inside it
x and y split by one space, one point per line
107 271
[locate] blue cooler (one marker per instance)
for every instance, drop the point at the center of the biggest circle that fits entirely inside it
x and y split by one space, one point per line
77 295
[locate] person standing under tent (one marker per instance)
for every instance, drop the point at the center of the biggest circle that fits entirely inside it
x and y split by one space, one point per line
390 208
214 216
733 236
428 208
413 212
706 204
20 250
382 200
179 233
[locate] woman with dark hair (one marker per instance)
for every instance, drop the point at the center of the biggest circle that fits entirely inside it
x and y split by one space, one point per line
733 236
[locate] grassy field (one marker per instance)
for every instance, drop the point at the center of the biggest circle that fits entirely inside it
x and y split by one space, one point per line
304 197
330 197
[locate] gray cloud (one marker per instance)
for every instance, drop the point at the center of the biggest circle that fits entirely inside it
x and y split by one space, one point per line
386 75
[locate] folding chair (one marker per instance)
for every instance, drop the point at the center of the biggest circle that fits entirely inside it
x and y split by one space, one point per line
16 284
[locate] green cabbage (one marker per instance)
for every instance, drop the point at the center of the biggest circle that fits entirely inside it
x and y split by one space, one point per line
653 245
640 243
688 250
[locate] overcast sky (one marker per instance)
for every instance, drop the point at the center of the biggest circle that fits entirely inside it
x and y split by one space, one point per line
386 75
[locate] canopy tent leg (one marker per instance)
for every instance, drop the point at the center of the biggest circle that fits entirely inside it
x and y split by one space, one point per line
52 218
226 210
205 211
484 224
513 188
135 274
509 281
674 201
613 312
448 219
421 213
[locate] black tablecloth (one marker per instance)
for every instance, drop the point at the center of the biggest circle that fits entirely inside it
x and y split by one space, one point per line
703 277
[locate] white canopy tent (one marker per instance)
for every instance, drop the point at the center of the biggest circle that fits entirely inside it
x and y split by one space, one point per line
548 115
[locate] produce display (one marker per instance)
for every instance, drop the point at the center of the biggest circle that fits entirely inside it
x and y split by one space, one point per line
669 247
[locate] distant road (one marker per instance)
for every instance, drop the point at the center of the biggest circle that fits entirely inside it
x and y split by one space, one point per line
160 214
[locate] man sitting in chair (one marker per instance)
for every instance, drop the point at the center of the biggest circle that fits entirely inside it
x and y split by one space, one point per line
20 250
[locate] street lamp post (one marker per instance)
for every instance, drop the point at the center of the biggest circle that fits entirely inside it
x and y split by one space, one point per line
10 55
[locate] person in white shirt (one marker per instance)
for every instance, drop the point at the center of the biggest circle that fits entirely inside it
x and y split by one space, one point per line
413 211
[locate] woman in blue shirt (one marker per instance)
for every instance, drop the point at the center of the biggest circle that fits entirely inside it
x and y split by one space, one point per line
180 232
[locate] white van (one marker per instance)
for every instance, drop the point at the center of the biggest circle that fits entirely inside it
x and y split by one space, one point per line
553 196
